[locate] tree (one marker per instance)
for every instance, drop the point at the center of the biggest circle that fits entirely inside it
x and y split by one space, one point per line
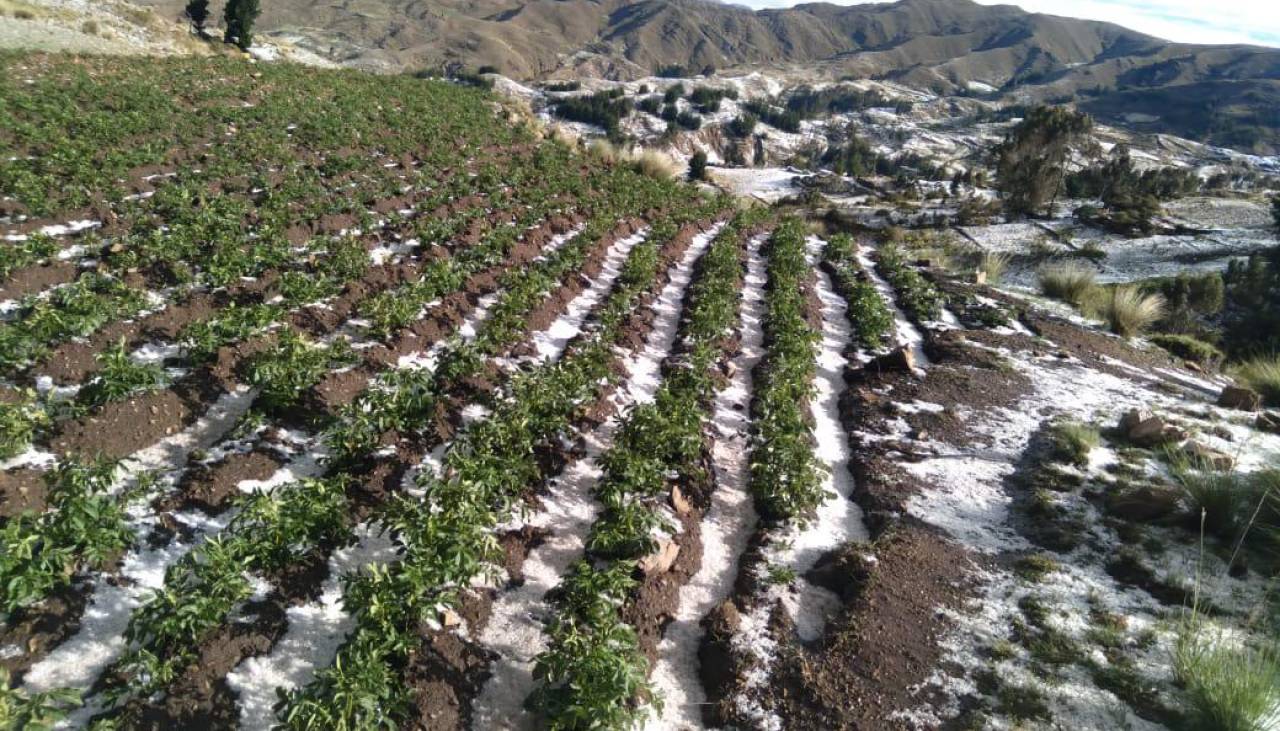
239 17
197 12
1275 210
698 166
1031 162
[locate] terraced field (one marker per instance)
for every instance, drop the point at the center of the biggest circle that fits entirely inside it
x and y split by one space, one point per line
337 401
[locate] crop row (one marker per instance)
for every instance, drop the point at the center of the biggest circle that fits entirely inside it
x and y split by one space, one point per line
868 312
916 295
593 673
447 538
161 618
786 476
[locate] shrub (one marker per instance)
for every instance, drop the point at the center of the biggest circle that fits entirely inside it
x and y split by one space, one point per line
90 27
1228 688
1189 348
239 17
1073 441
1069 282
1262 374
742 125
698 166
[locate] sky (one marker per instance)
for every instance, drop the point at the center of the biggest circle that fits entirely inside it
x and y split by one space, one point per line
1190 21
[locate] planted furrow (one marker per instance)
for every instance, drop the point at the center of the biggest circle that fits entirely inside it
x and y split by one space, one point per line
787 482
678 676
273 391
263 640
568 511
652 488
313 639
447 536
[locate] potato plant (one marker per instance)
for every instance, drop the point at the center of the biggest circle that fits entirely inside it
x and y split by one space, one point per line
447 538
868 312
594 672
786 476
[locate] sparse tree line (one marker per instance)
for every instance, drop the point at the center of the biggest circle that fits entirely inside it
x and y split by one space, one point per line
238 17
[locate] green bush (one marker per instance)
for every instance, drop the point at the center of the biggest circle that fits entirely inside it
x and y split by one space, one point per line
1189 348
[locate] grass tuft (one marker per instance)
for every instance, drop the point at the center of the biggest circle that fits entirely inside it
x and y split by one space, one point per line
1069 282
1128 311
1262 374
994 264
656 165
1073 441
1228 688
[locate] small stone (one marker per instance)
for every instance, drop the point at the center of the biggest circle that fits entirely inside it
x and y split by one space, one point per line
679 501
1269 421
1145 429
450 618
1209 456
980 277
900 359
1242 399
661 560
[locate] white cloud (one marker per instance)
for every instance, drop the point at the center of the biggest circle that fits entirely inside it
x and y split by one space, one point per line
1190 21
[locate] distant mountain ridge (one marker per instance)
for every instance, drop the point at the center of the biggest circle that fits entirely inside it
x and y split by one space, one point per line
947 46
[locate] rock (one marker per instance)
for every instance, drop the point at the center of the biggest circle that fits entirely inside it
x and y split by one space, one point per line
661 560
980 277
1269 421
1208 456
1145 503
679 501
450 618
1242 399
1145 429
901 359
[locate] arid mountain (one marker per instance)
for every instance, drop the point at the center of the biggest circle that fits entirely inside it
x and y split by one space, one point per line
949 46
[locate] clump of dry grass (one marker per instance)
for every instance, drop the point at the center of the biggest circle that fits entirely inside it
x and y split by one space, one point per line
604 151
90 27
656 165
993 265
1070 281
1128 311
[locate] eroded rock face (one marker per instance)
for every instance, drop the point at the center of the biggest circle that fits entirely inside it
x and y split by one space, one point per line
1242 399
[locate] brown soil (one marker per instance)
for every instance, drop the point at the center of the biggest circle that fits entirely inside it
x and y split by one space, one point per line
38 629
869 662
1090 346
35 279
119 429
211 488
22 491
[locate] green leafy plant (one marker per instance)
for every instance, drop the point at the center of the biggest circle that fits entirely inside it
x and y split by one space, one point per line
119 377
83 526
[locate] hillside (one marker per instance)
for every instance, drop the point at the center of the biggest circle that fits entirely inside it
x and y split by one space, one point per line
943 46
340 400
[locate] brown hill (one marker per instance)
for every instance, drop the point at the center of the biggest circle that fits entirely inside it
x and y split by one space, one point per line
947 46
